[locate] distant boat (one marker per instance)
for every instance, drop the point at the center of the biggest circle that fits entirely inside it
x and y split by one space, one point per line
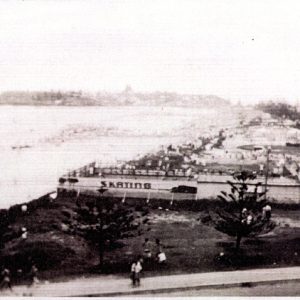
297 144
20 147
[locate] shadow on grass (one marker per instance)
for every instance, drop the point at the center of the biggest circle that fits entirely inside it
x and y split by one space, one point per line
254 242
247 256
225 244
240 260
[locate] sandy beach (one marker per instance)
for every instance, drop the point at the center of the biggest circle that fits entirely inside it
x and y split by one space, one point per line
39 144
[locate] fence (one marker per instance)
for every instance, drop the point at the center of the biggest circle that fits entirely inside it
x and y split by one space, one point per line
205 190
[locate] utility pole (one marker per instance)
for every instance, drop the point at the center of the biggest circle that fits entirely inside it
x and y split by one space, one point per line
267 170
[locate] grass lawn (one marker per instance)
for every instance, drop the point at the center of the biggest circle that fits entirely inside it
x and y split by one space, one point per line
189 245
193 247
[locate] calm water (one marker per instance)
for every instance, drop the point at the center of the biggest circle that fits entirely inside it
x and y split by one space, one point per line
38 144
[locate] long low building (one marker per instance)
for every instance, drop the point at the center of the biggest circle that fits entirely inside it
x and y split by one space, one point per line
205 186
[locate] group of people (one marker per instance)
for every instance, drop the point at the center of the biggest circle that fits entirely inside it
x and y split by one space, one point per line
6 277
151 252
247 217
159 254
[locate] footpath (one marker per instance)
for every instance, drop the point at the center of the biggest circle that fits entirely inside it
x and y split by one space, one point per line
108 286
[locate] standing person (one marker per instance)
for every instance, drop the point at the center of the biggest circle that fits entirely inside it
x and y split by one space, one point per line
147 249
6 282
244 215
132 273
264 212
137 271
19 275
162 258
24 233
33 275
268 211
159 247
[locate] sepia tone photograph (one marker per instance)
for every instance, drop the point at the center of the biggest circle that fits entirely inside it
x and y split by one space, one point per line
149 148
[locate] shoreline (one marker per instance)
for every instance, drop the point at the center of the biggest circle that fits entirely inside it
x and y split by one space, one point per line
27 172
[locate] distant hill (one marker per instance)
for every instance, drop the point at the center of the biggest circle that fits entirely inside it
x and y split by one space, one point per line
128 97
46 98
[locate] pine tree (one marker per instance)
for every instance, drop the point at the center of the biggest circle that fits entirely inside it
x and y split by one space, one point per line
106 221
241 214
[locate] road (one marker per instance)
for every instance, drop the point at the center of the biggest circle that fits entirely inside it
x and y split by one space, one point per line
256 282
267 290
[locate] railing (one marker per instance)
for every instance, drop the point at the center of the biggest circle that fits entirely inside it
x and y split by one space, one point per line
92 171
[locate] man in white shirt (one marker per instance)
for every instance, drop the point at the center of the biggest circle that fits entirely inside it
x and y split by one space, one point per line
268 211
136 269
161 258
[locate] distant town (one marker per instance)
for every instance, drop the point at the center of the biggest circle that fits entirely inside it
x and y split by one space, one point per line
265 141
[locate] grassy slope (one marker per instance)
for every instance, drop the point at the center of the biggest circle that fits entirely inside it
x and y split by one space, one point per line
189 245
54 251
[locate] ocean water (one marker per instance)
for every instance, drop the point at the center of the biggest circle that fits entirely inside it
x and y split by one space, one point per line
38 144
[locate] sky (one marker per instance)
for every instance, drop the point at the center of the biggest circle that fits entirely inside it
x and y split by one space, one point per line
240 50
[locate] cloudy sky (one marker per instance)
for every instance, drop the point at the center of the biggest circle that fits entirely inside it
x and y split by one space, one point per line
240 50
